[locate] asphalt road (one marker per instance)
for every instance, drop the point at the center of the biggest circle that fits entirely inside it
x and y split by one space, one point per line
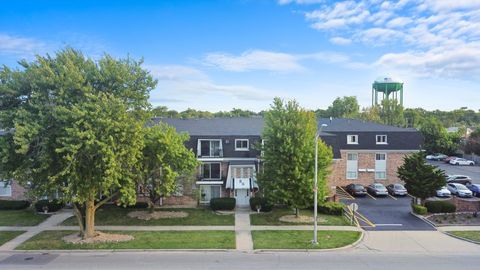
341 260
390 214
472 171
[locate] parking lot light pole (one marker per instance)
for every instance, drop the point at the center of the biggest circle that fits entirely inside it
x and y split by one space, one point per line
315 188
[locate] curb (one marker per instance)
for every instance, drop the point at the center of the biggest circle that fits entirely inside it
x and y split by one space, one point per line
425 220
460 238
352 245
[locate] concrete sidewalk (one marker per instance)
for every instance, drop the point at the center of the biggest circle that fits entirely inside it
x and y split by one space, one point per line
305 228
243 235
50 222
420 242
147 228
458 228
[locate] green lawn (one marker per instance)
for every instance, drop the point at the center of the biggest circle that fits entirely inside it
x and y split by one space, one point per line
301 239
52 240
6 236
196 216
272 218
20 218
471 235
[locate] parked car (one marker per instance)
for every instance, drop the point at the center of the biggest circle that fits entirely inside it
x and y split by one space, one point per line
436 156
475 189
444 192
460 179
447 160
397 190
356 190
459 190
377 189
462 161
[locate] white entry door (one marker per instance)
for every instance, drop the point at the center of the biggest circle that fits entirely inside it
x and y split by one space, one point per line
242 196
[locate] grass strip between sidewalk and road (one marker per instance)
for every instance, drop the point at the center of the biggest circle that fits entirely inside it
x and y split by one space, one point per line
470 235
6 236
52 240
118 216
27 217
302 239
272 218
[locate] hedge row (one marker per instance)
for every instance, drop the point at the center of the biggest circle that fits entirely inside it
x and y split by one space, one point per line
331 208
440 207
418 209
222 204
260 203
51 206
13 205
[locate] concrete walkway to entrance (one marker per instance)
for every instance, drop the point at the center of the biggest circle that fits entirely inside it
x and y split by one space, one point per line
243 235
50 222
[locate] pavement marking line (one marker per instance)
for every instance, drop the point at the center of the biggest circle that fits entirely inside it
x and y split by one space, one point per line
346 193
371 196
392 197
365 219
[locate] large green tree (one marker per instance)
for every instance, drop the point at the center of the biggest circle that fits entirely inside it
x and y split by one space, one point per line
288 155
391 113
437 139
75 128
422 180
165 158
472 144
344 107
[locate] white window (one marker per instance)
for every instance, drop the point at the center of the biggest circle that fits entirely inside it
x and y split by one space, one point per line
381 139
5 189
209 148
352 139
211 171
241 144
352 165
380 166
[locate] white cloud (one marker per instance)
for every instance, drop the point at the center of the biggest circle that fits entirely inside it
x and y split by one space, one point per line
19 45
340 40
299 2
187 83
253 60
415 29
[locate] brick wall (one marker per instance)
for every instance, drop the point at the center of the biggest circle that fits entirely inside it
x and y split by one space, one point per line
466 205
366 160
18 192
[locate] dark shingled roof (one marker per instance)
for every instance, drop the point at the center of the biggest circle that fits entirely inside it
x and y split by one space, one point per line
244 126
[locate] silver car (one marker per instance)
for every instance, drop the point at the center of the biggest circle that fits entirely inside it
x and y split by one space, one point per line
377 189
459 190
443 192
397 190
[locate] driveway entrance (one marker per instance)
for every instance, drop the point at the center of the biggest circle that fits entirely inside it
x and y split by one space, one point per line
389 214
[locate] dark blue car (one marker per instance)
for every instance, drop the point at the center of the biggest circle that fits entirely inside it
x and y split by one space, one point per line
475 188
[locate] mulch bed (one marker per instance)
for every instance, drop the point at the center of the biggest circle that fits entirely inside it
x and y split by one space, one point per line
454 219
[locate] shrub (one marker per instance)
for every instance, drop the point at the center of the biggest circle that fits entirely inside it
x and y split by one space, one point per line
440 207
331 208
53 205
13 205
265 206
222 204
418 209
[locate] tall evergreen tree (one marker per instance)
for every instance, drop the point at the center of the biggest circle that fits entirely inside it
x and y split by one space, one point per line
422 180
288 154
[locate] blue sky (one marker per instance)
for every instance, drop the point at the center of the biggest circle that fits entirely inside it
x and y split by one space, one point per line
217 55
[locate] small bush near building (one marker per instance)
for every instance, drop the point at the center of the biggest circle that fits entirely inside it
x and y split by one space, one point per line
139 205
261 202
222 204
418 209
331 208
52 206
13 205
440 207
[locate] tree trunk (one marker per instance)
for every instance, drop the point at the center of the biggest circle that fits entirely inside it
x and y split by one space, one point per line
296 212
79 211
89 219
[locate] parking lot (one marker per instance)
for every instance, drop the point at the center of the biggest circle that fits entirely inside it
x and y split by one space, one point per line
472 171
389 214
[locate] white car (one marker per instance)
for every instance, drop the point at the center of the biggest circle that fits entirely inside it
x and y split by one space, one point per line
462 161
459 190
436 156
444 192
